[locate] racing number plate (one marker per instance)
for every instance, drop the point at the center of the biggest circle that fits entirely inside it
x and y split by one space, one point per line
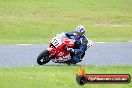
56 43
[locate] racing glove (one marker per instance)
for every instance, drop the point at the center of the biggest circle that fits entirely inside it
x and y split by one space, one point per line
69 50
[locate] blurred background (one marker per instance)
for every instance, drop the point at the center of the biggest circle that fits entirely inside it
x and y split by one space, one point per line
37 21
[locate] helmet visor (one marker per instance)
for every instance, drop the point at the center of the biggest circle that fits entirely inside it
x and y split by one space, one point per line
80 33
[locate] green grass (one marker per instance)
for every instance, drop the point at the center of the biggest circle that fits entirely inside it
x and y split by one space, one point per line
56 76
37 21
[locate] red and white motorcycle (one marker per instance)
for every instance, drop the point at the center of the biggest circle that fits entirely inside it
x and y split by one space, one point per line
56 51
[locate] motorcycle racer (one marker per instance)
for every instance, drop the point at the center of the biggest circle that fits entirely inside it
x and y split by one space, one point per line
66 47
81 43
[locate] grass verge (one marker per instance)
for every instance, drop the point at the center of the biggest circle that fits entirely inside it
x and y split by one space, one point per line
56 76
37 21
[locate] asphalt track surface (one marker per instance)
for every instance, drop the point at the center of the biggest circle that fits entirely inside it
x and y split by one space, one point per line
100 54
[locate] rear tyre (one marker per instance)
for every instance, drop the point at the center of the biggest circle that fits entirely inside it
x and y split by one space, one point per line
43 58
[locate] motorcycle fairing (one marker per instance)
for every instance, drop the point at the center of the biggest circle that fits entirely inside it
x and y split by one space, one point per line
62 60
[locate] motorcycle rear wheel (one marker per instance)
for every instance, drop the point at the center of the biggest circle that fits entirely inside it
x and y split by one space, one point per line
43 57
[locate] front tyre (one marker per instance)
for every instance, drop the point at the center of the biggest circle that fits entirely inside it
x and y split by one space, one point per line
43 58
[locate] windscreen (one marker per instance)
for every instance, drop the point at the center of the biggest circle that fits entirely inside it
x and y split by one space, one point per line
61 37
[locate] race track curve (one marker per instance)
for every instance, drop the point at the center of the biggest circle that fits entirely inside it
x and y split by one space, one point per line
116 53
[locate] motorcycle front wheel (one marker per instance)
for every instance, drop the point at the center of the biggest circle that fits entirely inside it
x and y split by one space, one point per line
43 57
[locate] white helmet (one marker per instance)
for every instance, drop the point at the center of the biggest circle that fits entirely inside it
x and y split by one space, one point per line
80 30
